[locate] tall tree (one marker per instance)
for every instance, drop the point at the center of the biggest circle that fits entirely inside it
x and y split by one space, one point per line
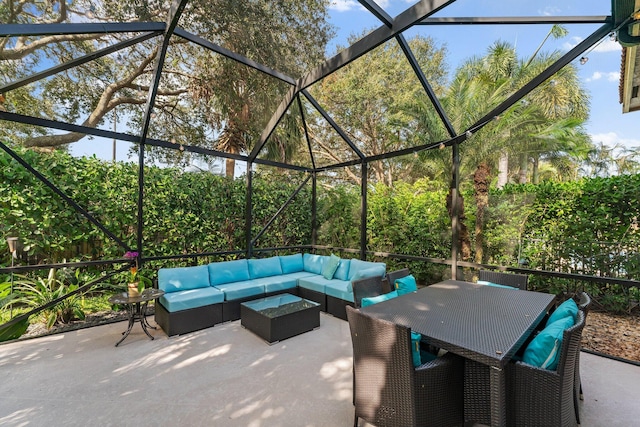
370 98
203 99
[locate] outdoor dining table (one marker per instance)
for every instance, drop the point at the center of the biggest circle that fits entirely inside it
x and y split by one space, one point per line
483 324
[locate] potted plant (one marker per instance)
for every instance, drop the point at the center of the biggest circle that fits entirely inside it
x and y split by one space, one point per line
136 280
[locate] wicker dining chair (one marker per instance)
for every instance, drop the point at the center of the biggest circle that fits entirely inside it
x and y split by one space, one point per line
584 304
538 396
388 390
395 275
519 281
365 288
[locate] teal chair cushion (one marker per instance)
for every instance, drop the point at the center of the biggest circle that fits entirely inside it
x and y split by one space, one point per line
405 284
569 308
378 298
330 267
544 350
415 348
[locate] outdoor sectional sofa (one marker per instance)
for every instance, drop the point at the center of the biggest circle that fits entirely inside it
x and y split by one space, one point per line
201 296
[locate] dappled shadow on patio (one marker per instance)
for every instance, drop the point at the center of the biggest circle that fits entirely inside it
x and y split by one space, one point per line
223 375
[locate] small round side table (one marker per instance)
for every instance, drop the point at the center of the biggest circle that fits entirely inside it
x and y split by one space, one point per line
136 309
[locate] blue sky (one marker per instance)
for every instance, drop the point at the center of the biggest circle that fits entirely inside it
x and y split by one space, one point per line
600 74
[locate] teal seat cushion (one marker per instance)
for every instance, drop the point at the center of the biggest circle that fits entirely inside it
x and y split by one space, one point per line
544 350
313 263
357 265
405 284
291 263
569 308
342 272
376 270
315 283
340 289
240 290
228 272
330 266
264 267
495 285
191 298
183 278
378 298
280 283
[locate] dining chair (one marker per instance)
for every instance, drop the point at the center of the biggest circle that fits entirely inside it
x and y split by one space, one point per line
388 390
584 304
366 288
538 396
395 275
519 281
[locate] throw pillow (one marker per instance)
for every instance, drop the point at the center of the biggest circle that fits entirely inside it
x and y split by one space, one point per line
544 350
569 308
415 348
405 284
364 302
330 267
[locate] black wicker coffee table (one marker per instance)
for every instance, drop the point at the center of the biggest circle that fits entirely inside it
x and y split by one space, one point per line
279 317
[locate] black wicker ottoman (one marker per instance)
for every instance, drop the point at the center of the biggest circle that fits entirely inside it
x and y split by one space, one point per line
279 317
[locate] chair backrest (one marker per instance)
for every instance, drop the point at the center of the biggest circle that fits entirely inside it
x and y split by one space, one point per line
570 349
395 275
383 370
584 301
519 281
365 288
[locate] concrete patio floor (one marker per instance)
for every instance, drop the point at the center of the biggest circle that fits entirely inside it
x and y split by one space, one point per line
223 376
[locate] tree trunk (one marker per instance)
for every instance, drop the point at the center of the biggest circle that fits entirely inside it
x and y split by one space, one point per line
503 170
481 191
524 166
464 240
535 175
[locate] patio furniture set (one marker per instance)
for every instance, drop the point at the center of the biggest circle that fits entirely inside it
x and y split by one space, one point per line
202 296
487 371
490 337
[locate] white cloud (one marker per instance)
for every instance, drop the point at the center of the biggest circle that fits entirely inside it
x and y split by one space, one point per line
347 5
613 76
549 11
612 139
606 45
344 5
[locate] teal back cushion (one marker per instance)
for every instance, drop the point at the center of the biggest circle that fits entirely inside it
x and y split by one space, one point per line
569 308
357 265
415 348
378 298
291 263
342 272
228 272
405 284
313 263
183 278
264 267
377 270
330 266
544 350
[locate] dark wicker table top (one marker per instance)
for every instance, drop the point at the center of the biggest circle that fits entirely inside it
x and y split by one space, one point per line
482 323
